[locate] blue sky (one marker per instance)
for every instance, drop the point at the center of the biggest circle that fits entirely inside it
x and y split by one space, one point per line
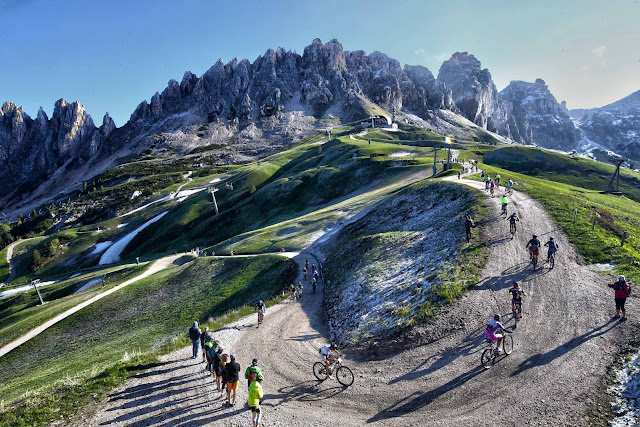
111 55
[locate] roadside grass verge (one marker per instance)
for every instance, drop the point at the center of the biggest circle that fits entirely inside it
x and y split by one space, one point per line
611 214
87 349
20 313
397 265
549 165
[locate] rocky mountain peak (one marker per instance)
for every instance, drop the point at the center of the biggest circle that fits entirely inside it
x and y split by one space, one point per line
474 92
535 116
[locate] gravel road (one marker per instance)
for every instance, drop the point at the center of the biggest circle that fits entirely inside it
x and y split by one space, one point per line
563 346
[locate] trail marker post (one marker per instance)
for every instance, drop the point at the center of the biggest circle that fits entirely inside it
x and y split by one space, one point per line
575 215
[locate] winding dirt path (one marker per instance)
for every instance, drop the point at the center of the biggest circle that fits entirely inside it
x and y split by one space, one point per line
158 265
563 347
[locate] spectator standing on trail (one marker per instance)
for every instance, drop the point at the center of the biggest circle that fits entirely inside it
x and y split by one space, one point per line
255 394
204 338
194 334
253 369
218 367
233 377
622 291
468 224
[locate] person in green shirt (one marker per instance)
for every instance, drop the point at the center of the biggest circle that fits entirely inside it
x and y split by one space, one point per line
255 394
253 369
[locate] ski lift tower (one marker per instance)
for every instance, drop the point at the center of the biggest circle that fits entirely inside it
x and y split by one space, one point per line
34 283
616 177
213 190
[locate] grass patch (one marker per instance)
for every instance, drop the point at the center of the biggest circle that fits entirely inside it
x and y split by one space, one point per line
612 215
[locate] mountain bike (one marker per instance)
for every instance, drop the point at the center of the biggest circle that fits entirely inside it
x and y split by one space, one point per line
552 259
504 209
534 259
491 192
512 229
490 354
260 317
518 312
344 375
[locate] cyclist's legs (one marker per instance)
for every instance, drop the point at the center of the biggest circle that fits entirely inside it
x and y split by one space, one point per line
513 306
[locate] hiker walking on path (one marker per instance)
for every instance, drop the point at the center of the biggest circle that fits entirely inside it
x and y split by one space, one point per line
233 377
255 394
194 334
253 369
218 368
622 291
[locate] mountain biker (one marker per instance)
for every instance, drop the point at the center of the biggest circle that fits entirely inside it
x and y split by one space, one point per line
328 354
513 218
504 201
304 273
622 291
498 180
492 185
533 245
486 182
553 247
509 183
493 326
260 308
314 283
516 297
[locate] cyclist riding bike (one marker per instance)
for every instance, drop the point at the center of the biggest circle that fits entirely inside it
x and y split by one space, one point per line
533 245
328 354
498 180
513 218
504 201
490 334
516 297
553 248
260 308
486 182
492 185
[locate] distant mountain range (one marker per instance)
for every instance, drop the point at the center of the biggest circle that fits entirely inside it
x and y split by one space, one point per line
256 107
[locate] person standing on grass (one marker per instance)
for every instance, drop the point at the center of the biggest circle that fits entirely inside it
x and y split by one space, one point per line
233 377
255 394
253 369
194 334
622 292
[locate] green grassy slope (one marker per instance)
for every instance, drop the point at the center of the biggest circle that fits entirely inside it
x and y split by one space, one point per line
613 215
573 170
137 320
284 186
20 313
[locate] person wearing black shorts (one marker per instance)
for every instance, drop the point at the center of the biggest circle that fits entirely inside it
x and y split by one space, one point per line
622 291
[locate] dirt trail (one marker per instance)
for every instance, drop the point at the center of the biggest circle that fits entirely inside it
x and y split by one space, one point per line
12 269
158 265
563 347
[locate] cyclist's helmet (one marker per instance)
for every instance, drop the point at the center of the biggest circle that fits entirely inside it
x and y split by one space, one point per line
550 238
259 378
515 284
535 237
496 317
333 346
260 302
621 277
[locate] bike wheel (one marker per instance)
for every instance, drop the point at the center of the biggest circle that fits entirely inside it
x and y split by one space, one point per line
535 262
344 376
552 261
487 358
507 344
319 371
